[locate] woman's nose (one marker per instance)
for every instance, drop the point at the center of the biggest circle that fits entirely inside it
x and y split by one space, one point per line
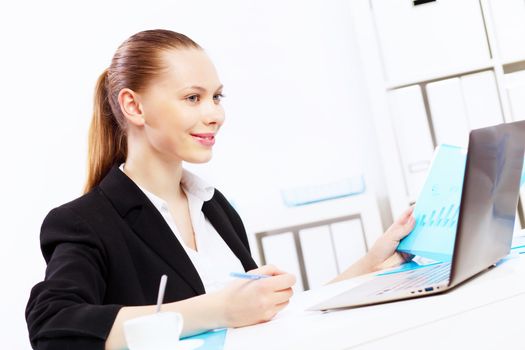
214 114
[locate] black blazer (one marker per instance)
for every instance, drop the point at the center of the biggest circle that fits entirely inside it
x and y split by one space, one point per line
108 249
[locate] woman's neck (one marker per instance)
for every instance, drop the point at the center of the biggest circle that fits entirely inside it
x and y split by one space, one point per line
160 177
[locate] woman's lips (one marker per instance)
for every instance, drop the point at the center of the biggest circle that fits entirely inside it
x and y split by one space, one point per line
205 139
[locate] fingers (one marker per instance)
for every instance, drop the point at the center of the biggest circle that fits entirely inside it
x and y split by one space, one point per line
257 300
270 313
406 228
279 282
282 296
281 306
273 311
267 270
407 214
394 260
411 222
399 231
279 279
277 287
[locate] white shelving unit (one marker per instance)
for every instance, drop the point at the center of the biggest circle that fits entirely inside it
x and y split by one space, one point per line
445 66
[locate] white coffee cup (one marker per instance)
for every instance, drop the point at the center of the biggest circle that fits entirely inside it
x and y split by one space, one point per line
158 331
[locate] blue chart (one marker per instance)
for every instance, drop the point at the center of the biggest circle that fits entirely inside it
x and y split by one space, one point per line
437 208
441 219
212 340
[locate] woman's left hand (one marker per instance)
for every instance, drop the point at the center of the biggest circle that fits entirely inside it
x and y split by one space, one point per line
383 253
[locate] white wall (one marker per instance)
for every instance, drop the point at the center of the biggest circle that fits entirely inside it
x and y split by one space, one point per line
296 111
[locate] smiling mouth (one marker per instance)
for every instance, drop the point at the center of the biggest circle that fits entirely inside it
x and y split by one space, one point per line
207 140
204 137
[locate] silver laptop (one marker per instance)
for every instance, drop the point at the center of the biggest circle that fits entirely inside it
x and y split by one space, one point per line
485 226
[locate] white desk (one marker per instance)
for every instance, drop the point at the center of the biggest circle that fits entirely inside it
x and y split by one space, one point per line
483 313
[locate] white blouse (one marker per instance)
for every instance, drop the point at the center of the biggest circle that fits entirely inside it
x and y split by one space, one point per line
213 259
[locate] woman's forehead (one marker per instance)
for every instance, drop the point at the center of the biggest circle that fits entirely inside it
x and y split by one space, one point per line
189 67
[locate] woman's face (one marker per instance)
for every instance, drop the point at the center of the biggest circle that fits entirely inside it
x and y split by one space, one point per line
182 107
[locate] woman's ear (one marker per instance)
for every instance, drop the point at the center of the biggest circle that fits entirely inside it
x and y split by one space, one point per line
131 107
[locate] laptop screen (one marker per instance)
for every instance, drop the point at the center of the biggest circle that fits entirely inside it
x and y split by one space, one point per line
489 198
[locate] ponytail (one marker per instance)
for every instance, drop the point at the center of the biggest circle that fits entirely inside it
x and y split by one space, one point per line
107 142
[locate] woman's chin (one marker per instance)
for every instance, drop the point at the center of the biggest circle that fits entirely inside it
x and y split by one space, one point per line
199 159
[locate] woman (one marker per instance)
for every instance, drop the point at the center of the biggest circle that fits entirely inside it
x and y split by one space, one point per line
143 215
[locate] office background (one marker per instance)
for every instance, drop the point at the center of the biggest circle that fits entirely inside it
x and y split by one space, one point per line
319 95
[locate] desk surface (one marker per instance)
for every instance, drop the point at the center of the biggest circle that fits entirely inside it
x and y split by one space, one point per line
483 313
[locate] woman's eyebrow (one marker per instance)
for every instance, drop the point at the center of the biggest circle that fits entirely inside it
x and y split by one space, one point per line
200 88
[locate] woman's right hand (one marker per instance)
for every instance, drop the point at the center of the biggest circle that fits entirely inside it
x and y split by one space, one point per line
248 302
241 303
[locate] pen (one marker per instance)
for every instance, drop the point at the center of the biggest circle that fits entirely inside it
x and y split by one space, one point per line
162 288
249 276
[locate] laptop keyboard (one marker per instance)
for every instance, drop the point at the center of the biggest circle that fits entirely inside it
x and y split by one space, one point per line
420 278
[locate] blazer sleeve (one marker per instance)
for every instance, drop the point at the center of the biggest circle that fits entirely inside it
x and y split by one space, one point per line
66 310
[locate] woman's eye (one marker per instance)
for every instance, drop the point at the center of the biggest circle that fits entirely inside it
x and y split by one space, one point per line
193 98
218 97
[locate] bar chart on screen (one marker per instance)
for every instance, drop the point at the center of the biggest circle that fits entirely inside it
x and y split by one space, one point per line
437 207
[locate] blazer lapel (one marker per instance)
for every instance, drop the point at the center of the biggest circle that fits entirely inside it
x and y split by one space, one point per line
218 218
146 221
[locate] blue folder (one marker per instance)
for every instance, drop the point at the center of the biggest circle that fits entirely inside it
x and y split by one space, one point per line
437 207
213 340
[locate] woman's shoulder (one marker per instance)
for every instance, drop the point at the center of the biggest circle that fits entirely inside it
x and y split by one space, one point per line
71 222
97 200
82 214
83 204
